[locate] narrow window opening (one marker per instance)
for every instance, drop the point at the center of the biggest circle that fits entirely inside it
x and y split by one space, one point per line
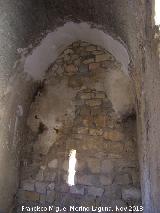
71 169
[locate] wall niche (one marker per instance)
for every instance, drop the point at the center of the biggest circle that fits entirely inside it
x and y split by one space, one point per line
80 145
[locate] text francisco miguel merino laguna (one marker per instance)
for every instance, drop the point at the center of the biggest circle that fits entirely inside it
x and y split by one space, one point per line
80 209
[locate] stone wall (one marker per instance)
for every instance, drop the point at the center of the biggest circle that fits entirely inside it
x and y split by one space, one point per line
24 22
85 103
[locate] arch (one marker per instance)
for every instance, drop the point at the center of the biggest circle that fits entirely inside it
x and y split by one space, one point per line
56 41
75 113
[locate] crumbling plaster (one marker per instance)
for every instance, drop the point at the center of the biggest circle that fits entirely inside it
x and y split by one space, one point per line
36 63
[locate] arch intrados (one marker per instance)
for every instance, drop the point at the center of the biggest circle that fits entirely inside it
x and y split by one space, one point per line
55 42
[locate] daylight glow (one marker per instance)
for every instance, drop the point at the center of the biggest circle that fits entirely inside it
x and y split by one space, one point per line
157 12
71 169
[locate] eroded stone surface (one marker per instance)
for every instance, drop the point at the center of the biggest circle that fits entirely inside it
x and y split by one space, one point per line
113 135
107 166
41 187
77 190
94 191
131 194
28 185
53 164
106 180
94 165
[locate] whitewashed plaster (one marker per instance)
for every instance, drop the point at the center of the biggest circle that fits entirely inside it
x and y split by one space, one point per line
55 42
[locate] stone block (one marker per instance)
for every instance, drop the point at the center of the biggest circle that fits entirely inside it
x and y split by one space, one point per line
78 136
84 44
67 58
123 164
30 196
87 120
77 190
78 43
116 147
42 199
100 120
93 143
71 69
80 102
101 154
123 179
103 57
74 57
93 165
114 156
91 48
77 62
84 111
130 146
95 191
59 71
93 102
54 67
40 175
95 111
41 187
94 66
65 165
51 186
131 194
113 135
65 178
107 166
86 95
50 197
106 180
88 61
135 176
98 52
80 165
83 68
89 180
43 167
53 164
82 130
100 95
107 64
112 192
49 175
81 51
59 61
28 185
95 132
68 51
63 187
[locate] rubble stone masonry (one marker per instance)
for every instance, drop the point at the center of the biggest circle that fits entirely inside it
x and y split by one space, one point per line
75 109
